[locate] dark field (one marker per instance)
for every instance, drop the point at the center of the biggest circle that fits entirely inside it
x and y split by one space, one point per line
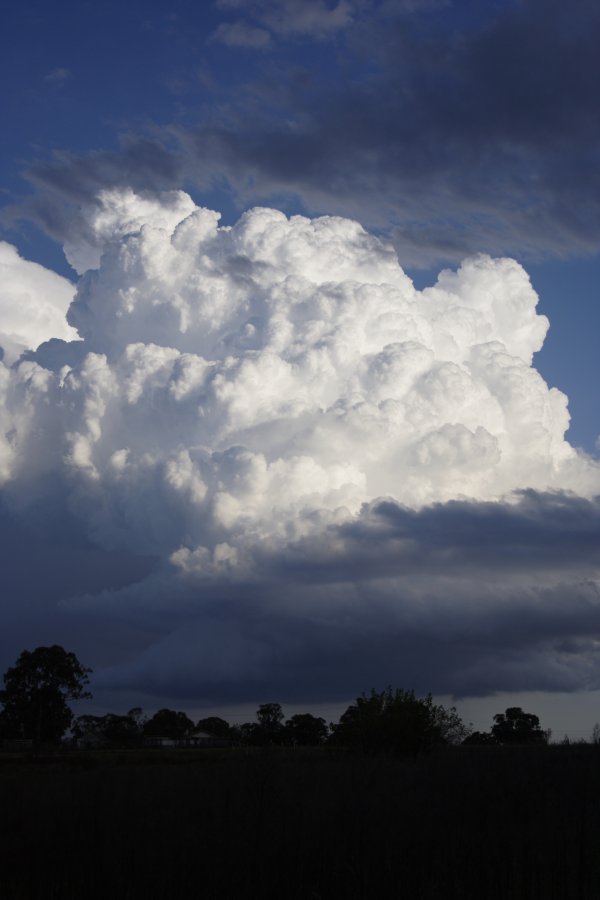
505 823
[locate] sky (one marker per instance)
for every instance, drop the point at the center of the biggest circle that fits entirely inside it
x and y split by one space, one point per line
298 312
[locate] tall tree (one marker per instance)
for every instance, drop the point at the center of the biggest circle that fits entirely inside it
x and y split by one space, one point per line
37 690
168 723
215 726
398 722
269 729
306 730
517 727
111 730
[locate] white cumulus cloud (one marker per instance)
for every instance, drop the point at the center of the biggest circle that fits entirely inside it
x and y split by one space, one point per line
240 378
118 212
33 304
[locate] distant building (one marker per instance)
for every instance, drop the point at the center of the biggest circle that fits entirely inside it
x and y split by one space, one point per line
155 741
193 739
204 739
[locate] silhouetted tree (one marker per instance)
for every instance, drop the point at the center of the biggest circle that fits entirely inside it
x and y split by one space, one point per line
305 730
168 723
121 731
451 728
517 727
36 693
268 729
270 723
246 733
137 715
398 722
88 729
109 730
270 716
215 726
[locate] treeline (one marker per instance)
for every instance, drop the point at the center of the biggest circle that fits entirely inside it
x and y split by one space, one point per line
174 727
39 687
389 721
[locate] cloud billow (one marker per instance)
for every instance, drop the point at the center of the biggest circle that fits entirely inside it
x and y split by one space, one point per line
240 400
33 304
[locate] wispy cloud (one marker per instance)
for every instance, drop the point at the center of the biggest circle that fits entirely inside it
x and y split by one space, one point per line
241 34
58 76
287 18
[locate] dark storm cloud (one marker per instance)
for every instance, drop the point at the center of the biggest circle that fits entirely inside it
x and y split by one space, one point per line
45 558
547 530
67 183
465 597
454 129
480 134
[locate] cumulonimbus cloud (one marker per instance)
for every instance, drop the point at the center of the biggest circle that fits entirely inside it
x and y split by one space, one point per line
238 400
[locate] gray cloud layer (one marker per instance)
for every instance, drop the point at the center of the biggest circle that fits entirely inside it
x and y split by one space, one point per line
463 597
455 131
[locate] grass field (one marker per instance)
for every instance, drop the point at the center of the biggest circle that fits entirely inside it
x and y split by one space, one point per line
490 823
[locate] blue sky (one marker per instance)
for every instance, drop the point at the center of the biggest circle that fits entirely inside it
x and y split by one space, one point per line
445 128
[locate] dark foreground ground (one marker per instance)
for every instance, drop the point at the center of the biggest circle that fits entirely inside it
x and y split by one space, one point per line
487 823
